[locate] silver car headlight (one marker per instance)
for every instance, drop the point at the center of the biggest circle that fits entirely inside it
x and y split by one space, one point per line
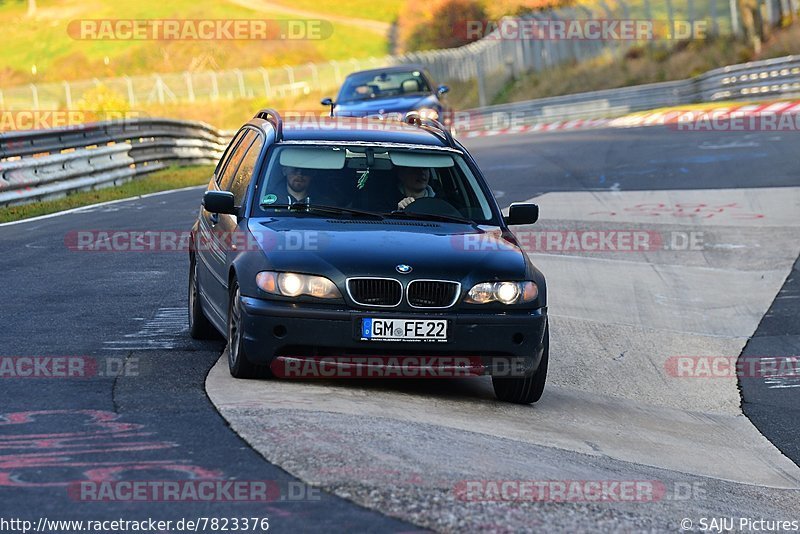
295 285
503 292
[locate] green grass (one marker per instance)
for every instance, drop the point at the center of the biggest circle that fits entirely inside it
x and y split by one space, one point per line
171 178
44 41
643 65
383 10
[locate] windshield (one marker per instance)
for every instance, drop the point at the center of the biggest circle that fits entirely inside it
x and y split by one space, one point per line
414 182
366 86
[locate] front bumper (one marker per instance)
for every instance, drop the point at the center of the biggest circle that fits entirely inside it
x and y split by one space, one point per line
503 342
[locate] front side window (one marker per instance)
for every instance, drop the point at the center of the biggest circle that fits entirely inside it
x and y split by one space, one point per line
238 153
375 179
238 186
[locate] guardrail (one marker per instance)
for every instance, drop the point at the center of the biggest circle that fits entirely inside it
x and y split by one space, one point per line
34 166
758 80
46 164
491 60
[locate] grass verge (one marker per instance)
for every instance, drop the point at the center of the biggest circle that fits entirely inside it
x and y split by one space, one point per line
164 180
642 64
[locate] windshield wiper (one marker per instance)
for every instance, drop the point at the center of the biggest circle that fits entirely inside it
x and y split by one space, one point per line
322 208
430 217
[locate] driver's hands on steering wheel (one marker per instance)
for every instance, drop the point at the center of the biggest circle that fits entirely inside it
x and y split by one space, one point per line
403 204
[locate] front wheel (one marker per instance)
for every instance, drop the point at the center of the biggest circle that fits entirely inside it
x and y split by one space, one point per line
238 364
525 389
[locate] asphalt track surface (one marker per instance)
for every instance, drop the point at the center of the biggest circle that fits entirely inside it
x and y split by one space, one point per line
130 306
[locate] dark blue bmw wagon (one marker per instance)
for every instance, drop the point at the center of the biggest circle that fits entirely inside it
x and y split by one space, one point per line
362 242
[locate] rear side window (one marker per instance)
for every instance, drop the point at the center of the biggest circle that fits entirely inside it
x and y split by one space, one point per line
228 173
227 155
245 172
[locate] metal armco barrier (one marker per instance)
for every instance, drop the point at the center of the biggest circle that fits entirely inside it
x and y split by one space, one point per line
33 167
47 164
758 80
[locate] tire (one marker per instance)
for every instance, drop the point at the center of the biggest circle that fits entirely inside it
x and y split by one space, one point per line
238 364
525 389
199 325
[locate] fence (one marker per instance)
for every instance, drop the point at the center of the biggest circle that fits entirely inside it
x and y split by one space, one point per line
98 155
491 61
759 80
108 153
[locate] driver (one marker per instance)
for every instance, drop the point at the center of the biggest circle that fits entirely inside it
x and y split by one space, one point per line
296 190
413 184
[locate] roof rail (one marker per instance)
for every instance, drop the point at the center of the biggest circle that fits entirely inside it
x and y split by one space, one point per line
430 125
274 118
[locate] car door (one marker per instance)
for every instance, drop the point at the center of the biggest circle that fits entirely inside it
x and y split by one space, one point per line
228 225
210 243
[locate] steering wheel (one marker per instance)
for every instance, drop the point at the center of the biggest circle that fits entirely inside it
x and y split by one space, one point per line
433 206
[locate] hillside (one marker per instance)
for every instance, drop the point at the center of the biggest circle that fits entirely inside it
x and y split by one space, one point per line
44 40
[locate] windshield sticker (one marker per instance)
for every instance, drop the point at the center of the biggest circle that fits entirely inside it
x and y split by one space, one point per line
270 199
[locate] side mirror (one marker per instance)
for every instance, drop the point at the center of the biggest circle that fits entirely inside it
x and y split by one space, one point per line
327 101
219 202
522 214
442 89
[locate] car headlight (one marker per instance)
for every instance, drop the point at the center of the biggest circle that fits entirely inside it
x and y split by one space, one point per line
295 285
428 113
503 292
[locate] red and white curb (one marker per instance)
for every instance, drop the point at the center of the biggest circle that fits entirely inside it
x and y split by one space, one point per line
654 118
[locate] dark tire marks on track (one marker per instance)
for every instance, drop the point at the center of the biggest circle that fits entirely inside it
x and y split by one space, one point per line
58 302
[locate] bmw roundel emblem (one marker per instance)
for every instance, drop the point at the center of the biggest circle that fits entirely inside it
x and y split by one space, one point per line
403 268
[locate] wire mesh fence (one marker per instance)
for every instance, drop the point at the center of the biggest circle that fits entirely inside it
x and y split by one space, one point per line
491 60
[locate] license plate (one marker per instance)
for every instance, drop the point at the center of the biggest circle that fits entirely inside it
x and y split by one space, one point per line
404 329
